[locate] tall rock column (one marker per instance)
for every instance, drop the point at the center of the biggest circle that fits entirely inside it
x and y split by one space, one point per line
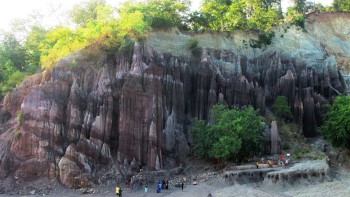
275 139
309 120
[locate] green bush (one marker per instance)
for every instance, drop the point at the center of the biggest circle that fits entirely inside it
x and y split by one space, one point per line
19 118
335 127
300 153
286 146
195 49
299 21
234 134
306 152
264 40
127 45
281 108
18 134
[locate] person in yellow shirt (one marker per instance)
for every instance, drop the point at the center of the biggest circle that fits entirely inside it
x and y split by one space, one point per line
118 191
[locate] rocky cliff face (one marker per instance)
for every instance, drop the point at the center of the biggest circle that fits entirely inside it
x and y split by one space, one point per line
108 110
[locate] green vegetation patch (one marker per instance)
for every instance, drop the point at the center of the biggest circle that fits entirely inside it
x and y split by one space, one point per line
234 134
195 49
336 126
18 134
281 108
19 119
264 40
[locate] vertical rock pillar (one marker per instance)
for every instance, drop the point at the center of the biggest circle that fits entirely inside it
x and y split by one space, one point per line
275 139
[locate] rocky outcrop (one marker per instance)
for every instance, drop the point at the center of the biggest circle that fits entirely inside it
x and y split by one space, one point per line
308 173
113 108
275 139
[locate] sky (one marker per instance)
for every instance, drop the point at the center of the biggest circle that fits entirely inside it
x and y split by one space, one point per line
51 9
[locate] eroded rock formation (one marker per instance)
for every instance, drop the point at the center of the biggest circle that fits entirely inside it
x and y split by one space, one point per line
112 108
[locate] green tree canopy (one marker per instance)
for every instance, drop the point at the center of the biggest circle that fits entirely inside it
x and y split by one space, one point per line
227 15
341 5
32 47
82 14
159 13
15 62
299 6
336 125
59 43
216 12
234 134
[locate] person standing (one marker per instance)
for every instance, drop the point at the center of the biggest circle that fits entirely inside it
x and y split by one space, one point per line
118 191
269 163
182 186
159 187
146 187
257 165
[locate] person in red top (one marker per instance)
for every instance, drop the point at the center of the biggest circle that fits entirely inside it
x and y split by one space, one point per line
282 157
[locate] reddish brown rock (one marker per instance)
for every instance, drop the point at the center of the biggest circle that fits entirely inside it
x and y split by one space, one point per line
114 108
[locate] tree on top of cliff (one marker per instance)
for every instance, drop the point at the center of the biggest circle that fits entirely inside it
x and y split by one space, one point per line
160 13
96 23
227 15
17 60
299 6
341 5
234 134
86 12
336 125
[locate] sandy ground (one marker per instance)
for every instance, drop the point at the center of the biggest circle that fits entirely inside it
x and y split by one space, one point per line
336 186
328 188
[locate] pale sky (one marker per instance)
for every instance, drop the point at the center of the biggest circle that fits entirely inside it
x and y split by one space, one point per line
52 10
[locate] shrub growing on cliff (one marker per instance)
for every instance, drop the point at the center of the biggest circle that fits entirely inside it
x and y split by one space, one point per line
336 125
264 40
18 134
234 134
19 119
299 21
281 108
194 48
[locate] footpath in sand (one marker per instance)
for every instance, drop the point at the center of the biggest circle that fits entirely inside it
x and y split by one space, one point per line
220 186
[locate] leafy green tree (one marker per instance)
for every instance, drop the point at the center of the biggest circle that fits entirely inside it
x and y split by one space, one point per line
196 21
226 147
281 108
59 43
234 133
82 14
216 12
32 48
299 6
12 53
261 19
159 13
266 4
13 66
295 18
341 5
237 16
201 137
336 125
132 24
226 15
